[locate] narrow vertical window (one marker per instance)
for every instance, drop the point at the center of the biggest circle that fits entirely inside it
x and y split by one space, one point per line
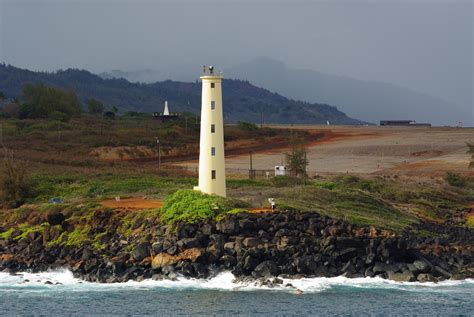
213 151
212 85
213 105
213 128
213 174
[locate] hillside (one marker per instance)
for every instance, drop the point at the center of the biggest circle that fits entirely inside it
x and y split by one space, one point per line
242 101
369 100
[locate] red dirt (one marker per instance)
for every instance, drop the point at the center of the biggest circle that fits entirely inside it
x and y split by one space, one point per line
260 210
133 203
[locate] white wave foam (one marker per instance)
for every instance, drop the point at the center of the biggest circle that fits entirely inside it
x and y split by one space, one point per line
64 280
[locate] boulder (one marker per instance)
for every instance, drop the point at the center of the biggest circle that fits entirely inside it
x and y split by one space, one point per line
442 272
188 243
250 263
207 229
186 231
228 261
405 276
251 242
55 218
384 268
247 225
425 277
421 266
229 247
227 226
141 251
305 264
349 268
164 259
286 241
266 269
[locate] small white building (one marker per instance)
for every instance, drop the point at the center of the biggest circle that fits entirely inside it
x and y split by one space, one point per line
280 170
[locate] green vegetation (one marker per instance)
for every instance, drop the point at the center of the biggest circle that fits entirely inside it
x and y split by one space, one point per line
470 221
242 100
15 181
94 106
247 126
192 206
471 151
296 160
103 185
454 179
41 101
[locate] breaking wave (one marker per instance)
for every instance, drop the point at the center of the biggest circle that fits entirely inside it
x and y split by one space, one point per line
63 280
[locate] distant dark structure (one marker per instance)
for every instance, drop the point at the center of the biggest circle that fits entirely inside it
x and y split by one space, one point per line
166 115
403 123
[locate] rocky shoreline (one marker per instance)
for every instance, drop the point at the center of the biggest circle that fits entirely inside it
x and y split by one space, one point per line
254 247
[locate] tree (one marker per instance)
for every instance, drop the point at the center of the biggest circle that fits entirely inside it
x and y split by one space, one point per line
2 96
109 115
471 151
95 106
114 109
14 179
296 160
39 101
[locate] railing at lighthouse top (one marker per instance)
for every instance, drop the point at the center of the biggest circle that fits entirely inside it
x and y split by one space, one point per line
210 71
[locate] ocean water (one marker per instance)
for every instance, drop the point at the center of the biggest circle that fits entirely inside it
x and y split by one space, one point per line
28 294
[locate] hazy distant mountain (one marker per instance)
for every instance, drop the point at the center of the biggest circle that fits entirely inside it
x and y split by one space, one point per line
369 101
242 101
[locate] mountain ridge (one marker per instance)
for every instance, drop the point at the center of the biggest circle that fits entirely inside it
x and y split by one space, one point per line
242 100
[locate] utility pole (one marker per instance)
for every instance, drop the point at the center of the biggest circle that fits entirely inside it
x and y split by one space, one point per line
251 166
159 152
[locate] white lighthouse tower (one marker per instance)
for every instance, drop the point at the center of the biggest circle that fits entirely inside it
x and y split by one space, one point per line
211 147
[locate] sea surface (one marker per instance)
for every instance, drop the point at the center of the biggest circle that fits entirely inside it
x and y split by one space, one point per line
27 294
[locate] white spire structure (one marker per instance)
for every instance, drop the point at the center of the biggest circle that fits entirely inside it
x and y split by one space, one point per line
211 147
166 111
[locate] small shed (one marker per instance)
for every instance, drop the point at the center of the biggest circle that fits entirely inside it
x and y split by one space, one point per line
280 170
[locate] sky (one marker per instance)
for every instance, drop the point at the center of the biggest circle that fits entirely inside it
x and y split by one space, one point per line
420 44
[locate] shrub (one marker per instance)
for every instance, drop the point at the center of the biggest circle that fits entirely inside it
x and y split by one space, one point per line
192 206
454 179
40 101
471 151
285 181
246 126
15 180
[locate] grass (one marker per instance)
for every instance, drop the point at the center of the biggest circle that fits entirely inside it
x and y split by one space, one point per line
191 206
103 185
470 221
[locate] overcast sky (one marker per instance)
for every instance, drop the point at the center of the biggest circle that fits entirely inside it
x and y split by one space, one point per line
424 45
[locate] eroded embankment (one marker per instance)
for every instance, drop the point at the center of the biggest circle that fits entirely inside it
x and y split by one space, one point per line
116 246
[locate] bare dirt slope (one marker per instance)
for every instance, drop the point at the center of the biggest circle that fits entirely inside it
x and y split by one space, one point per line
410 151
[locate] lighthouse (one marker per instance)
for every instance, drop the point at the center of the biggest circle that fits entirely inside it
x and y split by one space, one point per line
211 146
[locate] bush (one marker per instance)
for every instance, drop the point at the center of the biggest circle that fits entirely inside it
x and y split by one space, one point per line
191 206
454 179
40 101
16 185
94 106
285 181
246 126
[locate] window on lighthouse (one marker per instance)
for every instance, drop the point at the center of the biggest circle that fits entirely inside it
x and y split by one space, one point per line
213 105
213 174
212 85
213 128
213 151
